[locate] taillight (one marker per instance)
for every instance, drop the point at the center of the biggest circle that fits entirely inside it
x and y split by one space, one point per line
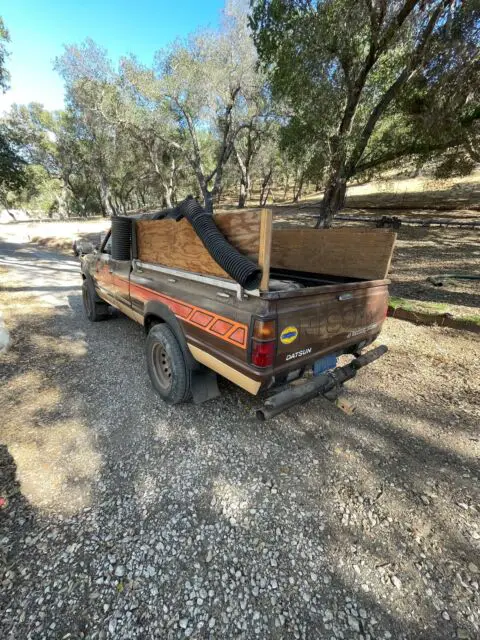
263 353
264 330
263 343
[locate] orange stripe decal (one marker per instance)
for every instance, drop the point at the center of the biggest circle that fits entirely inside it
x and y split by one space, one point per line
202 319
223 328
239 336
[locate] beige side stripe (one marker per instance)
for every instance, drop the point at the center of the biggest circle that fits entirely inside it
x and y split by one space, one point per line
252 386
122 307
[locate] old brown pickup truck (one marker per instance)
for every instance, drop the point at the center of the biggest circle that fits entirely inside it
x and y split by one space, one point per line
259 331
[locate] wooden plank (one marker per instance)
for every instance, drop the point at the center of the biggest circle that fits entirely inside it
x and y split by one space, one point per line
242 230
175 244
265 247
344 251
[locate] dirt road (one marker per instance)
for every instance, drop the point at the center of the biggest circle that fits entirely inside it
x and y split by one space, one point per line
138 520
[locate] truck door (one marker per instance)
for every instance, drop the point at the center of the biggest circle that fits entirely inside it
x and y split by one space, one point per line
120 273
103 268
113 276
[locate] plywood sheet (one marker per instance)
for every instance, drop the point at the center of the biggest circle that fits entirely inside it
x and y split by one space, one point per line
345 251
242 230
175 244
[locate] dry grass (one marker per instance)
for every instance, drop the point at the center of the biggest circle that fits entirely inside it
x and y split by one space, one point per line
57 244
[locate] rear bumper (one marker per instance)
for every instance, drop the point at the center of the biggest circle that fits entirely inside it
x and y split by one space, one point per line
327 383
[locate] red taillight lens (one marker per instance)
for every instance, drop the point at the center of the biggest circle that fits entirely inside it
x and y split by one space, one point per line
263 353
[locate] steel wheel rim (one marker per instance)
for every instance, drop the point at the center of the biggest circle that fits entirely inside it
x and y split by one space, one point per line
162 367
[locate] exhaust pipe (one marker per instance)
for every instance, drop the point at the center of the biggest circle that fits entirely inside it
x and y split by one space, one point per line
321 385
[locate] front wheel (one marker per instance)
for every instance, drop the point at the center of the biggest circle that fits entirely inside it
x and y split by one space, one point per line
168 371
95 309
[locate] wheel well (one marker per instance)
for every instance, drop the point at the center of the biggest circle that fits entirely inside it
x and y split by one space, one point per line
150 320
155 317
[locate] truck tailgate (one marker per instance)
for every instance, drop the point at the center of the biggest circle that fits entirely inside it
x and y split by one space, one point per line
321 320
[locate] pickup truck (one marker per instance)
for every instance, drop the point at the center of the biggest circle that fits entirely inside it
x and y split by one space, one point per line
198 325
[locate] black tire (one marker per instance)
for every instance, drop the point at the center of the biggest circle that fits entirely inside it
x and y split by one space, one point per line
95 309
167 368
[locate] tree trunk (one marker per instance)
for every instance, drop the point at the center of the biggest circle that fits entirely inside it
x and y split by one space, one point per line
170 187
263 204
106 199
62 202
245 180
208 197
297 191
264 190
167 195
244 194
333 201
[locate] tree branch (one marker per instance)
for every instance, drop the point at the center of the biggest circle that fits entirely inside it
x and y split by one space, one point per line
394 89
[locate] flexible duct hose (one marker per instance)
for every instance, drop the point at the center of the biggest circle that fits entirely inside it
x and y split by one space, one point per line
121 238
240 268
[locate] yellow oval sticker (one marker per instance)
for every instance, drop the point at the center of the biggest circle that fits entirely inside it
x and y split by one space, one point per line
288 335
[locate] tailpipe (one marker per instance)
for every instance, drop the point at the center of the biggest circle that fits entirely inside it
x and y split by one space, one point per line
321 385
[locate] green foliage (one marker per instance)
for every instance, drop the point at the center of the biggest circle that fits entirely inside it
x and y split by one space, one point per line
343 88
370 83
12 164
12 175
4 39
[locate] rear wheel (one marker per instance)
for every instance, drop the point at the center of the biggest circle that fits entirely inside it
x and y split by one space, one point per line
168 371
95 309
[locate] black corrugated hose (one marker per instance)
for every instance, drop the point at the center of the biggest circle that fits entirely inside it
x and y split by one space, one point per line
121 237
240 268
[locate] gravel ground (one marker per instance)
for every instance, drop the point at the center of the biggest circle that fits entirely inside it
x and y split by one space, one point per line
138 520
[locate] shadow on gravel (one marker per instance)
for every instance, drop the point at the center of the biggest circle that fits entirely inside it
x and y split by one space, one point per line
314 521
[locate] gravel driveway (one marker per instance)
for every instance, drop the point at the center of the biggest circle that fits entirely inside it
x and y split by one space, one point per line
138 520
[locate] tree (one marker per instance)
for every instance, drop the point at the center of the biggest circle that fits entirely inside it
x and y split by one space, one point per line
37 132
4 39
202 88
112 157
205 82
12 166
353 72
258 121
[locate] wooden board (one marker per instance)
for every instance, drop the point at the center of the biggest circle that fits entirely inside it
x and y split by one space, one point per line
344 251
265 247
175 244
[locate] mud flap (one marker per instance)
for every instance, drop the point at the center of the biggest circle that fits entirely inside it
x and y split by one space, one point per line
204 385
